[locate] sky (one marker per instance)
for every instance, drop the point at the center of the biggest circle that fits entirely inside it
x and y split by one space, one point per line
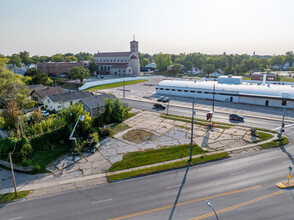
47 27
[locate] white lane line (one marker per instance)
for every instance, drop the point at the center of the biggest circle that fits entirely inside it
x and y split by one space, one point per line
232 174
286 162
16 218
286 126
170 187
106 200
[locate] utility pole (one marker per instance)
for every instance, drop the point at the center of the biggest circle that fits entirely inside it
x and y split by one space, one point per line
19 121
213 98
124 88
11 166
283 124
192 126
168 104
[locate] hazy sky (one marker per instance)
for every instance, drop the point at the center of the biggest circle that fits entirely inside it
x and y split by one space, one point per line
46 27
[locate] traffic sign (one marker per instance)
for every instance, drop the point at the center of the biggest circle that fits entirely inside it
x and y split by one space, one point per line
289 177
290 169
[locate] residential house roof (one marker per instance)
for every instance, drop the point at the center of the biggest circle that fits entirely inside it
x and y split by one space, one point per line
48 91
114 54
97 100
220 71
36 86
69 96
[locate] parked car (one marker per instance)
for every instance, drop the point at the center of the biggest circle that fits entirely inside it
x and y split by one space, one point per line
236 117
158 105
45 113
102 77
160 99
166 99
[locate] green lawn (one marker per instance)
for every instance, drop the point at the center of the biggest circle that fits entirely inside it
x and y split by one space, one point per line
155 169
119 128
286 79
114 85
8 197
141 158
263 136
275 143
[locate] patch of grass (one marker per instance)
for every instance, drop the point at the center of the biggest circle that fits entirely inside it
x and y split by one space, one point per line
131 114
8 197
156 169
286 79
266 130
119 128
42 158
141 158
114 85
275 143
246 78
137 136
262 136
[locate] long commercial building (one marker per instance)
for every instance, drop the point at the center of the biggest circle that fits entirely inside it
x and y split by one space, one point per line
231 89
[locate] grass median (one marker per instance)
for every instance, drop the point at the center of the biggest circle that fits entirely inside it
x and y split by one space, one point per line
141 158
262 136
275 143
8 197
114 85
168 166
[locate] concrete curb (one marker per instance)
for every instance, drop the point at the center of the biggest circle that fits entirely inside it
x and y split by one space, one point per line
285 185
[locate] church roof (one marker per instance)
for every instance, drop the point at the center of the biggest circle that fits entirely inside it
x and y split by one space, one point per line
114 54
119 65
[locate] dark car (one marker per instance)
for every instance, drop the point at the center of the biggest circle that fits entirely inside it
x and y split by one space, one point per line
160 99
158 105
236 117
166 99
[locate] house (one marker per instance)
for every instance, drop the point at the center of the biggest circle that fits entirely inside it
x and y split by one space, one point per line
63 100
259 76
17 70
277 66
39 92
58 68
217 73
286 66
36 86
119 63
95 104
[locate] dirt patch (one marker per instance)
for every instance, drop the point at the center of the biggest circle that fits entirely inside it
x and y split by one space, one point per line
138 136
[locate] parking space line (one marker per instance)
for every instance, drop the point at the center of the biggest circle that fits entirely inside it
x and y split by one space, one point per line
106 200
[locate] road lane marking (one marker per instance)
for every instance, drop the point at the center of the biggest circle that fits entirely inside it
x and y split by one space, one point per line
16 218
184 203
237 205
170 187
106 200
286 126
232 174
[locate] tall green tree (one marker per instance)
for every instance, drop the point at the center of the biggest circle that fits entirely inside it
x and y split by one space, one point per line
25 57
57 58
162 61
38 77
84 56
177 67
208 68
93 67
71 59
79 72
15 60
145 62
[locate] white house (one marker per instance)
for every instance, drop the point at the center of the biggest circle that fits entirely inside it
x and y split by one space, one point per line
58 101
231 89
120 63
217 73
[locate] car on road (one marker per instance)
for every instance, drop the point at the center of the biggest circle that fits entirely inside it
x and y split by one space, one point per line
165 99
160 99
158 105
236 117
45 113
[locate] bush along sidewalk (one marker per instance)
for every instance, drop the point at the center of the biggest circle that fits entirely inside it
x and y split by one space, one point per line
167 166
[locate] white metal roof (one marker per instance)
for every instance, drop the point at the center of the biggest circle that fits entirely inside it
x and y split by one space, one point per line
244 88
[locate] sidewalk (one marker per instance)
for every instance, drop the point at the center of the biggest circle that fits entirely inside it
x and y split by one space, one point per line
52 187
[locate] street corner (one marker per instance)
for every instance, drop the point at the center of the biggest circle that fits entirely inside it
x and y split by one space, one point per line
285 184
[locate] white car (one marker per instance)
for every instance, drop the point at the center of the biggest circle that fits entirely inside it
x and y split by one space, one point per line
45 113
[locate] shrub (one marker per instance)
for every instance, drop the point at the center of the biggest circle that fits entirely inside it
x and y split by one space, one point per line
37 168
2 122
104 132
26 151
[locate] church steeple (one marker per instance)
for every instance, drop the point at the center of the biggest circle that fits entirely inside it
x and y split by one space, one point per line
134 45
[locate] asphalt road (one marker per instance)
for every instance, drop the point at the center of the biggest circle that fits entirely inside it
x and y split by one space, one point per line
179 194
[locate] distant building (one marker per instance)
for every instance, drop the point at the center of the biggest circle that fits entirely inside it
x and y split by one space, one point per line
58 101
149 67
17 70
95 104
38 93
259 76
57 69
217 73
120 63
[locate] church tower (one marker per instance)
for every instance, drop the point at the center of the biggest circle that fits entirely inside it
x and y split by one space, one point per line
134 46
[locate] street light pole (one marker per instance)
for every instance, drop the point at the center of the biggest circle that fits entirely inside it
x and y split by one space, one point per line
12 172
124 88
210 205
192 126
283 124
81 117
168 104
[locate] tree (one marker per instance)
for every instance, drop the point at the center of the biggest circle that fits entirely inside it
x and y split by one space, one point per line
15 60
79 72
108 107
71 59
93 67
145 62
84 56
119 112
289 57
208 68
177 67
10 113
38 77
162 61
25 57
12 86
277 60
57 58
